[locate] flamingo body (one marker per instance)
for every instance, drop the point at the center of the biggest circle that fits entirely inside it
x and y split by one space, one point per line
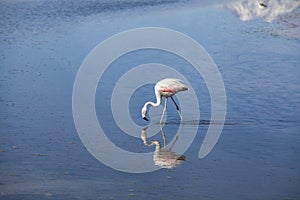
165 88
169 86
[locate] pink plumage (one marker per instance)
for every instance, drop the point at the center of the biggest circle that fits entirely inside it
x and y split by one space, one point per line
169 86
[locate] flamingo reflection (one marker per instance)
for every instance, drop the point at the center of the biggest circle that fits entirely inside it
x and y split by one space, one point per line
163 157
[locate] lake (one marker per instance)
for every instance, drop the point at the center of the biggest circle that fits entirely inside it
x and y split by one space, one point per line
42 153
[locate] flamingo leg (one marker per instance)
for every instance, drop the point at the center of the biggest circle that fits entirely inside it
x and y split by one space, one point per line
165 108
177 107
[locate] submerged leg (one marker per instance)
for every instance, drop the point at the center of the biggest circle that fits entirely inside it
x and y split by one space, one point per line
177 107
165 108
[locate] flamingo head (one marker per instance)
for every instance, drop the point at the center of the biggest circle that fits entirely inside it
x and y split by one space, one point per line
144 112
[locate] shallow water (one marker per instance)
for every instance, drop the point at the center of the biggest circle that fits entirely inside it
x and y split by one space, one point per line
43 44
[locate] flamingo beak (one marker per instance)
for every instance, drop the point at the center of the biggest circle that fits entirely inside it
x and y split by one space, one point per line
145 118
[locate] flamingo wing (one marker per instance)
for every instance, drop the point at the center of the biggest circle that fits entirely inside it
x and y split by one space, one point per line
168 87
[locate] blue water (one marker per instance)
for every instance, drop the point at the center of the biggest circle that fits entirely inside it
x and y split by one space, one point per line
43 44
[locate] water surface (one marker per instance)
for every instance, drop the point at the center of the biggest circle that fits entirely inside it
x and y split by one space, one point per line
43 43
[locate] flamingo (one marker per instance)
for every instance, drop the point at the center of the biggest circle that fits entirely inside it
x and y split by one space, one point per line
165 88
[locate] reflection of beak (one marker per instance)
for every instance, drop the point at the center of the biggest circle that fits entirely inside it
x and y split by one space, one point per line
145 118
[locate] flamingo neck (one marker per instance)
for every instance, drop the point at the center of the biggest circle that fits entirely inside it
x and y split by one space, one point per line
158 100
